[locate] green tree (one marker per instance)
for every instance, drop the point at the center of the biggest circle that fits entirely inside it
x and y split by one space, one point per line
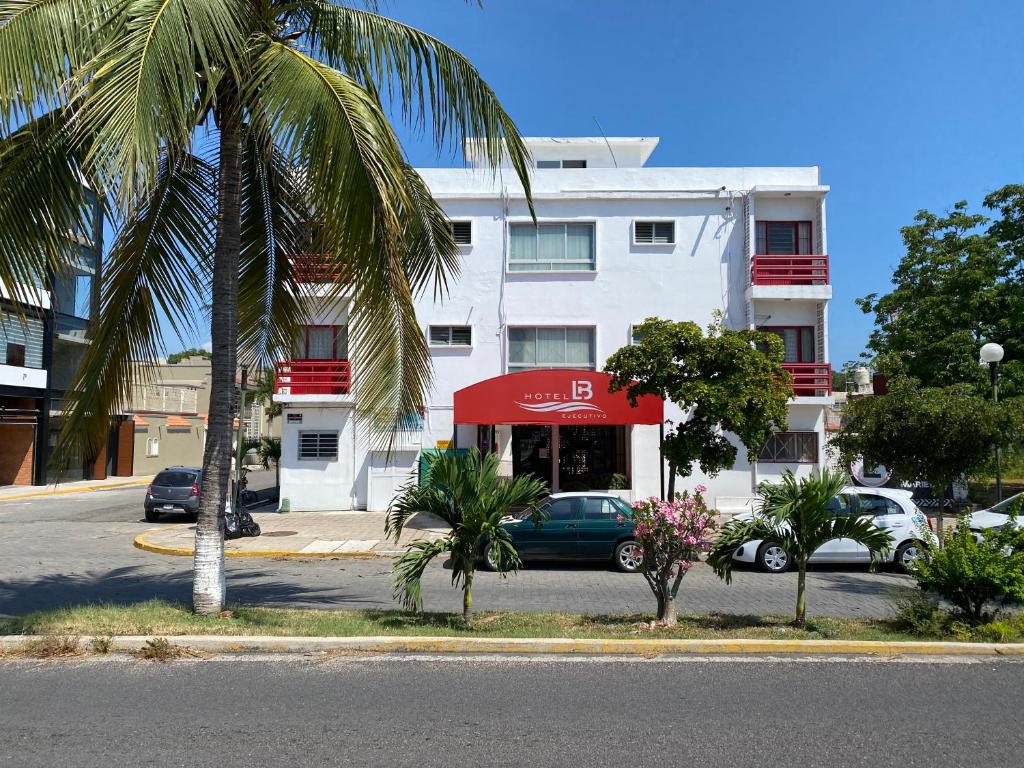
177 357
939 435
796 515
725 381
222 137
959 284
268 451
466 492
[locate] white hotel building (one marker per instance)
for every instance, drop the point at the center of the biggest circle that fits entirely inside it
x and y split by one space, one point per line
617 242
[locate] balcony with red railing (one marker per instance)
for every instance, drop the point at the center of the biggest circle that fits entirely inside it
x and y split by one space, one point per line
315 268
313 377
789 270
810 379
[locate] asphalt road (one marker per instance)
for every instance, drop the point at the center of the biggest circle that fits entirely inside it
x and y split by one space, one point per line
75 549
482 712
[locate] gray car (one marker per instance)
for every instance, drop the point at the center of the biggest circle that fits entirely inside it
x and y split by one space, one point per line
175 489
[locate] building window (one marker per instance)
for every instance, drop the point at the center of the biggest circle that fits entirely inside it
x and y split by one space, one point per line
323 342
16 354
798 342
635 335
462 232
790 448
784 238
551 248
450 336
152 447
322 446
531 348
547 164
654 232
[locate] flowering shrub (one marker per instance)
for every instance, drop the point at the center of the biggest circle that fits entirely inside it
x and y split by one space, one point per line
671 535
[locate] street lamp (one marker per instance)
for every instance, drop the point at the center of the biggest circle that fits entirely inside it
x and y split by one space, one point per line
991 355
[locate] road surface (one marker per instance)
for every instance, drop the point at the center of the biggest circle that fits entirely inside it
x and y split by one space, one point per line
481 712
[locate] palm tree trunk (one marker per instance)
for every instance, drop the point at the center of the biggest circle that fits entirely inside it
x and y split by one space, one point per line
801 596
467 597
208 583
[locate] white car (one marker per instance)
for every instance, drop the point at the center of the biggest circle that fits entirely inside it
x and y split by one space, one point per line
892 509
996 516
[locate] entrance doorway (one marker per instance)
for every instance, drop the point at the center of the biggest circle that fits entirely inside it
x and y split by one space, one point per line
592 458
531 451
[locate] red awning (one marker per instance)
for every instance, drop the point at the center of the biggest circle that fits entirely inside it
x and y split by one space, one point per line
555 396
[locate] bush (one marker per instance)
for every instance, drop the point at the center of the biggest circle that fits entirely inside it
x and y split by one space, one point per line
919 613
972 574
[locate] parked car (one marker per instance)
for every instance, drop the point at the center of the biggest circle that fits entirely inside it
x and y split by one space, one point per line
892 509
175 489
585 525
995 516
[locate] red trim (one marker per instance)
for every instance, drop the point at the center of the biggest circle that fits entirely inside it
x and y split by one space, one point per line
306 355
810 379
553 396
789 270
312 377
314 268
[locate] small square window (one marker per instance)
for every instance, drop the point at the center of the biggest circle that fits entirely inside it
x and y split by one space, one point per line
321 446
654 232
462 232
16 354
450 336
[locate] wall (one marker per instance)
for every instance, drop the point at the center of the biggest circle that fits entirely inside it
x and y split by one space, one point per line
322 485
17 443
179 446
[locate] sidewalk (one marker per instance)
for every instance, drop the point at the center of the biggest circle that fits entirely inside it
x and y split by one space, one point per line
303 534
17 492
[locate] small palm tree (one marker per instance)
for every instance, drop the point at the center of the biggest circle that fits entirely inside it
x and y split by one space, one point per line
466 492
796 515
268 451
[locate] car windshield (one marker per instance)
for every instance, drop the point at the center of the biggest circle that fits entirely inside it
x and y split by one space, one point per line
174 479
1004 507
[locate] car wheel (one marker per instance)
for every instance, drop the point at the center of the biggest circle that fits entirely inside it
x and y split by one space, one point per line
907 554
771 557
488 563
628 557
152 516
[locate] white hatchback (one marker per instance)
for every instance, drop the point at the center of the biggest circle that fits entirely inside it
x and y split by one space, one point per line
892 509
996 516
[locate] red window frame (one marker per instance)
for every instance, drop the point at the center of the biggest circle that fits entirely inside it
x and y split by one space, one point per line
799 340
762 237
334 342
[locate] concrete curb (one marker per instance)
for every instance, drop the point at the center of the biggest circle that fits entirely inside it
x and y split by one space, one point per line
141 542
80 489
529 646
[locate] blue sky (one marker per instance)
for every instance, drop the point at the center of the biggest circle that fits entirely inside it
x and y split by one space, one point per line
905 104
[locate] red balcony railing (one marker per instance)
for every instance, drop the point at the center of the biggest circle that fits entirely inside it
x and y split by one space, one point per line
313 377
790 270
810 379
315 268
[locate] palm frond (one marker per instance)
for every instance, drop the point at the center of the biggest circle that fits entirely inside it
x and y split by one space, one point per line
42 44
44 203
275 220
409 568
147 87
425 76
154 268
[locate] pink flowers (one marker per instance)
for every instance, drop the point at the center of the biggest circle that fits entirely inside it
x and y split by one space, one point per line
673 531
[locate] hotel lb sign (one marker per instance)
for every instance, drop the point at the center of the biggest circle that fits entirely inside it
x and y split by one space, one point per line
555 396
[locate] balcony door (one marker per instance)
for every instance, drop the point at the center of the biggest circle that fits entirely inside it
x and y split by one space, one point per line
798 342
323 342
784 238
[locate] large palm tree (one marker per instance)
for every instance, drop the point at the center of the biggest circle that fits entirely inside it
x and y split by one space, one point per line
223 137
795 514
466 491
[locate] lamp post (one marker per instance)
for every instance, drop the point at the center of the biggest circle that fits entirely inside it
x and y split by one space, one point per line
991 355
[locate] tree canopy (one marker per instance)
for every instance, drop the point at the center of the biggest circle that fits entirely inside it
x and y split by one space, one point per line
959 284
725 381
177 357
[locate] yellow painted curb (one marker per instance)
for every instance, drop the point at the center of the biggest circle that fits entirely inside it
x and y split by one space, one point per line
66 491
558 646
142 543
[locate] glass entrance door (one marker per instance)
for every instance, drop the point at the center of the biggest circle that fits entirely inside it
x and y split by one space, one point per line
531 451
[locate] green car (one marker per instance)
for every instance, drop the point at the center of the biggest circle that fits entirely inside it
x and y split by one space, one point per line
576 526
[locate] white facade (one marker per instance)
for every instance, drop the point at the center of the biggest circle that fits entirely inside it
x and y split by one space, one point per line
714 215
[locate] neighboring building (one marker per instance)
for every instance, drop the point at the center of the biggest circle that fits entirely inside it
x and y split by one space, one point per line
169 413
43 336
518 345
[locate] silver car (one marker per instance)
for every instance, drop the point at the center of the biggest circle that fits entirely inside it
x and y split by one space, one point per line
892 509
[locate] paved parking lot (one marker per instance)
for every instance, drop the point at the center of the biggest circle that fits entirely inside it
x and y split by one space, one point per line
78 549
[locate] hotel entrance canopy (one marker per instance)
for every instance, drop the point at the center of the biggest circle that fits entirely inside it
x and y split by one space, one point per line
553 396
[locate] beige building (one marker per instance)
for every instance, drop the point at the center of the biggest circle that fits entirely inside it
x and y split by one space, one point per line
169 409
